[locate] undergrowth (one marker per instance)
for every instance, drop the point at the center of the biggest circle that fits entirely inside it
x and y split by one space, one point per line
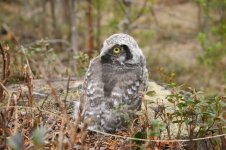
176 121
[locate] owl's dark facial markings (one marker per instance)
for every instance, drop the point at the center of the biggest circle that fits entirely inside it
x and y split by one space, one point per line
106 58
127 51
110 56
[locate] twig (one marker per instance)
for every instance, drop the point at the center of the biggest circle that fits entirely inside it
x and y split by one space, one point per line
61 134
140 13
27 62
121 6
52 41
147 140
223 140
28 80
34 108
44 101
9 95
67 89
73 132
16 114
4 62
5 67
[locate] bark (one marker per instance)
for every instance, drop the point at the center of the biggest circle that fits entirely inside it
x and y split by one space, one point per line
67 14
56 32
98 24
73 27
44 31
89 36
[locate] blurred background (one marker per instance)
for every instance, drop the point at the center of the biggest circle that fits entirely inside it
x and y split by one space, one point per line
184 41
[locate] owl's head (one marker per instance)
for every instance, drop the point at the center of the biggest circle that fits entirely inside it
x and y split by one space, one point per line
121 48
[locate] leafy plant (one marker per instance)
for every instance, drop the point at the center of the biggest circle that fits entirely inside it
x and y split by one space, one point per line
38 136
16 142
187 114
82 62
213 38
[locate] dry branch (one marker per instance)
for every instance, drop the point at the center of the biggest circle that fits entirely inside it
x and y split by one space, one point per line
28 80
5 68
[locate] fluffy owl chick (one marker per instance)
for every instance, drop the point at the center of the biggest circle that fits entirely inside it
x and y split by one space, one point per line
114 83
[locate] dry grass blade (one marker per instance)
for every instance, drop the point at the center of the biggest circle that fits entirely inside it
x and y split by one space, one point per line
28 80
9 95
5 67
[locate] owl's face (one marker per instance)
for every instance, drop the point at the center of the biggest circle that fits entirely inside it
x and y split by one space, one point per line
117 54
121 49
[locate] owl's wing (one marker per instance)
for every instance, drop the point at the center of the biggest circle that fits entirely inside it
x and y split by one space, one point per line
144 80
93 89
136 90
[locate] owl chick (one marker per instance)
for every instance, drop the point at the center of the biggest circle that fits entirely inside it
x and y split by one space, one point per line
114 83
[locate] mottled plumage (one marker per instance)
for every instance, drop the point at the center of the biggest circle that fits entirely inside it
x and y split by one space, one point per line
113 85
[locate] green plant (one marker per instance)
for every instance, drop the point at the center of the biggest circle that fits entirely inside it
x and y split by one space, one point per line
16 142
213 38
82 62
186 114
38 136
213 53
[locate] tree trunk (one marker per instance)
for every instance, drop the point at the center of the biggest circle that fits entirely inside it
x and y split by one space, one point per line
89 44
44 31
67 15
56 32
73 27
98 25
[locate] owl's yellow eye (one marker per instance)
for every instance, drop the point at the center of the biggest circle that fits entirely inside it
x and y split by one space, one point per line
117 50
